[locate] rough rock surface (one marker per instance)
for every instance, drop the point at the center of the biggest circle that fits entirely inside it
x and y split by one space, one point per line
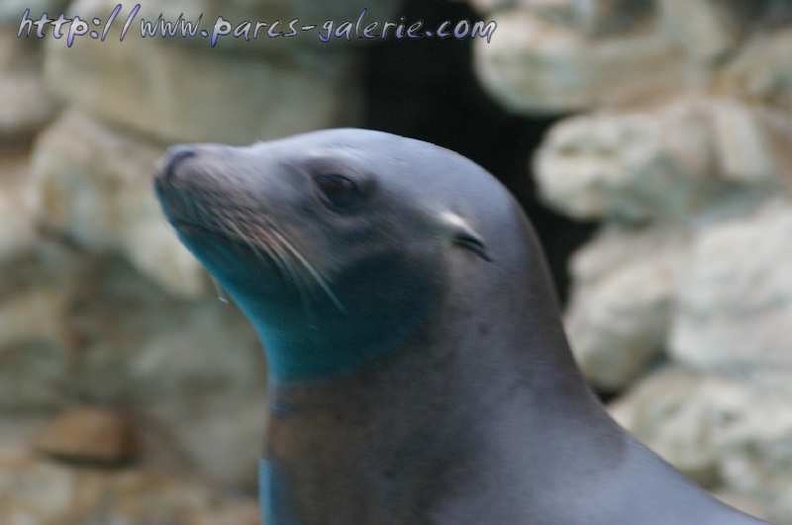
180 94
91 435
620 311
535 65
567 55
733 431
35 492
18 205
93 330
666 163
735 306
27 105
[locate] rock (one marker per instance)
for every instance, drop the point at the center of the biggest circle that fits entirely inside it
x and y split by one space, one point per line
736 302
591 17
707 29
762 71
27 104
665 164
34 371
16 435
95 187
534 66
727 432
743 503
34 375
33 315
90 435
18 206
33 492
11 10
179 94
37 492
190 372
679 415
27 108
625 290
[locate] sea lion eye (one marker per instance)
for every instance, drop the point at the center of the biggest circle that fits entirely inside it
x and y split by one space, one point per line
338 190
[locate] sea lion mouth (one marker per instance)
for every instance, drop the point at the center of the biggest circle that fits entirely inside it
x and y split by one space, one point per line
190 227
266 243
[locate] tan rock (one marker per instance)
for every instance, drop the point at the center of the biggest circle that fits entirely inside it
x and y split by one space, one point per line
762 71
90 434
191 372
38 492
743 503
18 205
35 368
708 29
27 104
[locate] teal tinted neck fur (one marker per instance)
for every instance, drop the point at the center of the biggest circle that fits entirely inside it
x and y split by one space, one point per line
306 342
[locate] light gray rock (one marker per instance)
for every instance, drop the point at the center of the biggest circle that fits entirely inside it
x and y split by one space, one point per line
591 17
729 433
679 414
180 94
708 29
535 66
625 290
666 164
736 302
95 186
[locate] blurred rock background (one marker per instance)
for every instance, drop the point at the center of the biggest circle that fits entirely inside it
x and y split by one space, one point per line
651 138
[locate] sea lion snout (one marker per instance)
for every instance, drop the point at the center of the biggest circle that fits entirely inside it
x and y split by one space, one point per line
175 156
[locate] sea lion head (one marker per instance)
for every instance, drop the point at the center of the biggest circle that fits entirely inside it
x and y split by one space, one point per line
335 244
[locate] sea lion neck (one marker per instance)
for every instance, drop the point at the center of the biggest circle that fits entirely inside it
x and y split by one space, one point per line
436 413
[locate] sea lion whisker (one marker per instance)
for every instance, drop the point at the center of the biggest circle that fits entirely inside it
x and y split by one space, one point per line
297 278
268 255
274 250
317 276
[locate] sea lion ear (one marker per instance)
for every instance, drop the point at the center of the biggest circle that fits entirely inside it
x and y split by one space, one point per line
465 236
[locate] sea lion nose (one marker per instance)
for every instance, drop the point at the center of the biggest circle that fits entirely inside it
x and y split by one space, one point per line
173 157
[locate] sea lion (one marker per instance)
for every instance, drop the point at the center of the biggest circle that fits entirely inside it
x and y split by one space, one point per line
419 371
